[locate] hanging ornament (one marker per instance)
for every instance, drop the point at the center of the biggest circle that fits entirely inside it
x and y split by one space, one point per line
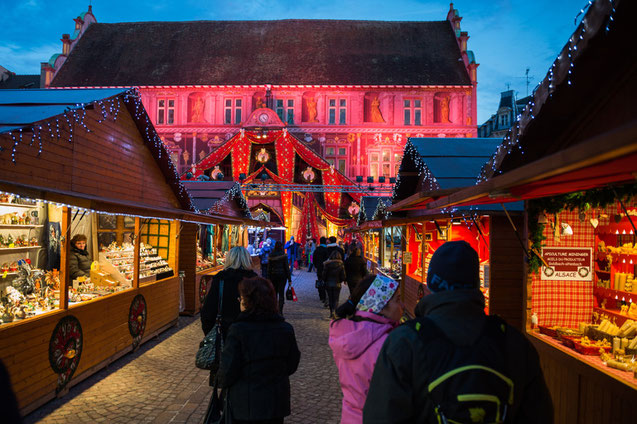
263 156
309 175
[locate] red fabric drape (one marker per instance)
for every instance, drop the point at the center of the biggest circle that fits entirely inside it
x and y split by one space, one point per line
241 156
308 215
332 198
335 220
285 167
214 158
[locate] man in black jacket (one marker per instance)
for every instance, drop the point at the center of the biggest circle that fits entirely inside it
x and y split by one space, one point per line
454 319
320 256
334 246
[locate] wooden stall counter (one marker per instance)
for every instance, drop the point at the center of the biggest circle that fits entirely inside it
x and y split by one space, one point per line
584 390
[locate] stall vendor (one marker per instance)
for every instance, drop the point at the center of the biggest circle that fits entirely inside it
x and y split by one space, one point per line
79 259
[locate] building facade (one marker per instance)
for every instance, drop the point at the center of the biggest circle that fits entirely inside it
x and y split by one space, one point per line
508 110
354 91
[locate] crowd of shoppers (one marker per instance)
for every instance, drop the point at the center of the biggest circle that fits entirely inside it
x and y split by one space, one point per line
449 364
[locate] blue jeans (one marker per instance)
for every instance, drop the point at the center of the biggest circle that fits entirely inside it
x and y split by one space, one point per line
291 260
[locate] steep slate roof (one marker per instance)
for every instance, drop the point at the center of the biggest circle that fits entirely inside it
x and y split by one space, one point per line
20 81
319 52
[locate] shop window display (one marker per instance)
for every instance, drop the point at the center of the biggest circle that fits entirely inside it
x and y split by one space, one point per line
584 292
29 258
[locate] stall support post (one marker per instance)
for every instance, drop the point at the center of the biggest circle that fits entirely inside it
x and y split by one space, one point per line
391 249
214 243
64 258
136 250
423 254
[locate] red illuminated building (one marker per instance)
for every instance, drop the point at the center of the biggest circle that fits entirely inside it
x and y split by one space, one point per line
351 90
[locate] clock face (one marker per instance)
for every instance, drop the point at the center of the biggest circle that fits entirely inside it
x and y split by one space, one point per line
263 118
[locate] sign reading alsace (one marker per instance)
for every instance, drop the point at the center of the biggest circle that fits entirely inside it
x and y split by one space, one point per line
568 263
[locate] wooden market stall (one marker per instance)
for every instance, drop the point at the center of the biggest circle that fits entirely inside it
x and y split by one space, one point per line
437 167
372 210
83 162
577 175
203 247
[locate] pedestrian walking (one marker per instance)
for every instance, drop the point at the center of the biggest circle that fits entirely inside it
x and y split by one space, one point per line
333 276
264 257
364 321
279 273
452 363
259 355
332 246
292 248
236 268
355 268
309 250
320 256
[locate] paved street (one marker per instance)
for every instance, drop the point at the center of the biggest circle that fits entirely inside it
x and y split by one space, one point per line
159 383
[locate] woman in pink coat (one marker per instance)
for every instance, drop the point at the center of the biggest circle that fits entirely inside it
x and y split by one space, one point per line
365 320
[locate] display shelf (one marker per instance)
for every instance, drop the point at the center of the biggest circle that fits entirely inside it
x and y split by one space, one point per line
2 249
615 294
17 205
20 226
613 313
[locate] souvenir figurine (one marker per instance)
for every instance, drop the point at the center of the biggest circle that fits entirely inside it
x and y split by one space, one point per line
14 219
3 243
10 241
35 220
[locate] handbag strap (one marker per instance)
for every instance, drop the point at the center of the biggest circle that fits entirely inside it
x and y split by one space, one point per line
220 301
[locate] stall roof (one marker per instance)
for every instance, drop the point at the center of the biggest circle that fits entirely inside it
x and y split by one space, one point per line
63 139
581 132
368 207
437 166
223 197
19 108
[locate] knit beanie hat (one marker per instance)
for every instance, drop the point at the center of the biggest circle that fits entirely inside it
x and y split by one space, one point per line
454 266
378 294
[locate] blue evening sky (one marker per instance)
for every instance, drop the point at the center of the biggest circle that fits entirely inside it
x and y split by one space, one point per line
507 36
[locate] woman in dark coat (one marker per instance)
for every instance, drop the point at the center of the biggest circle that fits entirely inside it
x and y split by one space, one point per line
333 275
259 355
79 259
355 268
236 268
279 272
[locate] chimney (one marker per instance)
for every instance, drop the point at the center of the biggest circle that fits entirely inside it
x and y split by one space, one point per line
66 44
46 74
464 36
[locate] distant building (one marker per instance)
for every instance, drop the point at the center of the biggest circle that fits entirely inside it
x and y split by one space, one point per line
9 80
508 110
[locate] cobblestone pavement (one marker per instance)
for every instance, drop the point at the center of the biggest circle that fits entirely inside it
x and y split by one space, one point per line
160 384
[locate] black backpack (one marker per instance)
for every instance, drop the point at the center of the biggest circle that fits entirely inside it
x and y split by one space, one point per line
467 384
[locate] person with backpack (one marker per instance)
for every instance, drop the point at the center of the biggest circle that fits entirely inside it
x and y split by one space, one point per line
453 363
355 268
333 246
319 257
364 321
333 275
279 273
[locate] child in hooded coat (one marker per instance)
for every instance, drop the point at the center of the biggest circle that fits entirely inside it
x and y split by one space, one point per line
373 310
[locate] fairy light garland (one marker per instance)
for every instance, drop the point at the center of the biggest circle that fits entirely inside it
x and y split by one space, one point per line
76 115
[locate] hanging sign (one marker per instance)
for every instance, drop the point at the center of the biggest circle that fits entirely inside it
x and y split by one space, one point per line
568 263
407 258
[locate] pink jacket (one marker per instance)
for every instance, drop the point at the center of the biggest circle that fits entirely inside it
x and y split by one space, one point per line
356 346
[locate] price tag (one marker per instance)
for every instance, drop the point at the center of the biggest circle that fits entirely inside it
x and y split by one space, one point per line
4 275
407 258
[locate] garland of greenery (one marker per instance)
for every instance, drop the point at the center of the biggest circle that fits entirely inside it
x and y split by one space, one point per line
581 200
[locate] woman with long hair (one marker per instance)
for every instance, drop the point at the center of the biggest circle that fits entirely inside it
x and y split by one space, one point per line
279 272
333 275
237 267
364 321
259 355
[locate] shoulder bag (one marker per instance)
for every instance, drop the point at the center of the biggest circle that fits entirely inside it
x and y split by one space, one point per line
209 353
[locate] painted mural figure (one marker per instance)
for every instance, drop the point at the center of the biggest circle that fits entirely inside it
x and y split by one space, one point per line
377 116
259 103
197 110
444 109
311 110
